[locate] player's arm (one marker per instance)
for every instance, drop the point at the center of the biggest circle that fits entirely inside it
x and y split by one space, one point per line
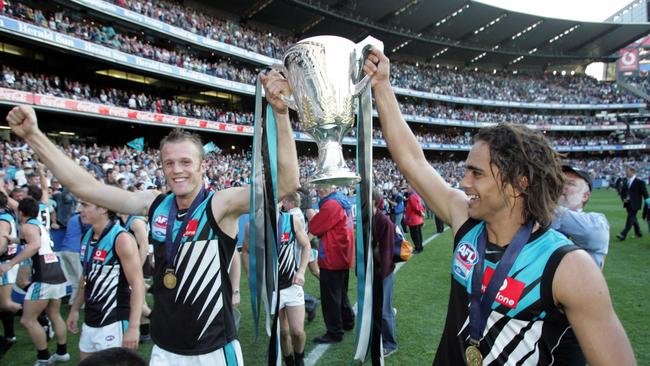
73 316
579 288
126 249
32 236
235 277
245 250
305 254
23 122
5 232
447 203
236 201
140 232
45 198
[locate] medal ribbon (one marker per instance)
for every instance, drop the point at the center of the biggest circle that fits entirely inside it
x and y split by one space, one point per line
171 246
88 258
480 307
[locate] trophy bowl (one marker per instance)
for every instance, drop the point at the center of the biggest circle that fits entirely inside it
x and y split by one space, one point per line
324 75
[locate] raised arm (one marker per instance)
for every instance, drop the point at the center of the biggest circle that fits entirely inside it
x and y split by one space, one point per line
234 202
22 120
580 289
446 202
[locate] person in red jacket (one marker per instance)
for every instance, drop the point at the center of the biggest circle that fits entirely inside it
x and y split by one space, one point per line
415 218
333 225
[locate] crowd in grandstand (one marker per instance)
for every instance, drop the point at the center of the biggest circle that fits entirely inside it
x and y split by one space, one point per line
504 86
106 35
63 87
66 88
222 30
496 85
473 114
128 167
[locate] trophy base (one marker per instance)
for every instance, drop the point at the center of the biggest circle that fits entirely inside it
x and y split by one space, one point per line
339 178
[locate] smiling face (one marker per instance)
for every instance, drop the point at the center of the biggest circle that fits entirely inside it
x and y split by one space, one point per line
182 167
481 183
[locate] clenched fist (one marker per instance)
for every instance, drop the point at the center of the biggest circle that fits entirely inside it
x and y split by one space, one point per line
22 120
275 86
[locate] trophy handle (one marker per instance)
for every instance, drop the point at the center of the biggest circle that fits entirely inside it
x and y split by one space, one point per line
288 100
361 85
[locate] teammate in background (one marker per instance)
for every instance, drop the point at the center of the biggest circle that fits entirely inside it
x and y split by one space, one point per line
111 266
295 253
47 287
512 184
137 226
8 250
193 233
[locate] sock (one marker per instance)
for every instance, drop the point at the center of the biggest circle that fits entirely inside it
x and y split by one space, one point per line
61 349
8 323
43 354
144 329
288 360
42 319
299 357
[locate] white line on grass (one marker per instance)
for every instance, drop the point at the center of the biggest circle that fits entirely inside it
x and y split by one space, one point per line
320 349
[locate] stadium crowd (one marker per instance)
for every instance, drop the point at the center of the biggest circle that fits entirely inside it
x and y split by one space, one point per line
129 167
218 29
496 85
504 86
64 87
473 114
106 35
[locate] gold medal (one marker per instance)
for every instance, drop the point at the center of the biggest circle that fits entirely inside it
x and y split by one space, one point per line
473 356
169 279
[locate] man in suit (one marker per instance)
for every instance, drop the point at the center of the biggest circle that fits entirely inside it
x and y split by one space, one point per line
633 193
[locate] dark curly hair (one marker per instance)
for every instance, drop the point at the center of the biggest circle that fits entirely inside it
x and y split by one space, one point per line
520 152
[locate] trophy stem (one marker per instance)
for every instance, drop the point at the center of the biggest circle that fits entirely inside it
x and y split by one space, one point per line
332 169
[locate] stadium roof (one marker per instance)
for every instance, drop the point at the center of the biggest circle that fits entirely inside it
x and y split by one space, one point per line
453 31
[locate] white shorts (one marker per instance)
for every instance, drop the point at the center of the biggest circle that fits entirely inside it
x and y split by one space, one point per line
228 355
293 295
45 291
9 278
98 339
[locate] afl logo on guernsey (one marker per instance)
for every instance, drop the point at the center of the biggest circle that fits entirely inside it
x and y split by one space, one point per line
464 259
159 225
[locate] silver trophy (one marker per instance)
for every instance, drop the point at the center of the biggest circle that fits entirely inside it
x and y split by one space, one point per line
322 72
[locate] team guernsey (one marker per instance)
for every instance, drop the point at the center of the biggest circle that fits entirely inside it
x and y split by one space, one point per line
107 293
46 267
12 249
524 326
44 215
288 259
130 220
195 316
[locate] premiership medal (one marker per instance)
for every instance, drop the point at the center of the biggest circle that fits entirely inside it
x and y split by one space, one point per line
169 279
473 356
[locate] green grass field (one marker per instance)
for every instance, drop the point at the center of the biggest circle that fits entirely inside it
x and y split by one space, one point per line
421 293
